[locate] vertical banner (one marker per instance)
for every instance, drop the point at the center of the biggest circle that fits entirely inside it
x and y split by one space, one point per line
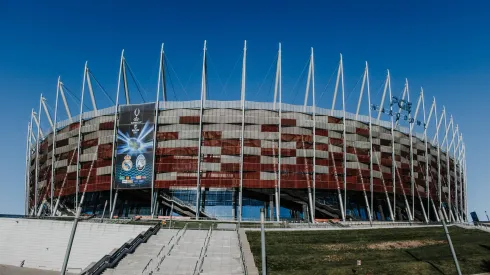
135 145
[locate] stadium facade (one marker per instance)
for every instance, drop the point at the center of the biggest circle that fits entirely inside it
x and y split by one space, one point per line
227 159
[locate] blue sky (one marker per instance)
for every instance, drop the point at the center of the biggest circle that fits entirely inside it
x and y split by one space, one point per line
441 45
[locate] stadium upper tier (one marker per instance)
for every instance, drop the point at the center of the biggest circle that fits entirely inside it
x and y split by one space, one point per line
298 137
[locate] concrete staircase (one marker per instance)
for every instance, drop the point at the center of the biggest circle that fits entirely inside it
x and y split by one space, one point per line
184 252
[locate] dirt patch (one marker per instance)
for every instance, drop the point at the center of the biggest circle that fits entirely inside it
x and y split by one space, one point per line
403 244
380 246
334 258
336 246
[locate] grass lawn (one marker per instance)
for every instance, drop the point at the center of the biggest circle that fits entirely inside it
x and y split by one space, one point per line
382 251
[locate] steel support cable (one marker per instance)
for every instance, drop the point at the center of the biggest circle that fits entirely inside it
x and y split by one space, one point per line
64 180
208 57
45 177
379 89
167 61
370 213
232 71
274 62
355 86
75 98
101 87
188 79
172 84
136 82
301 77
328 83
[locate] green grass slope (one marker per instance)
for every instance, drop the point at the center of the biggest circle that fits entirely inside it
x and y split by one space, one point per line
382 251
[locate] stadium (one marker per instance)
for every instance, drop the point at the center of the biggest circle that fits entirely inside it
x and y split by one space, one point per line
390 159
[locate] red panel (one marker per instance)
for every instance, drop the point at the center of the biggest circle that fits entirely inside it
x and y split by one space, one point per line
251 142
321 147
292 137
211 134
181 151
362 131
167 136
175 167
212 158
230 150
304 160
89 143
74 126
106 125
336 141
288 122
321 132
230 167
270 128
304 145
251 159
189 120
273 152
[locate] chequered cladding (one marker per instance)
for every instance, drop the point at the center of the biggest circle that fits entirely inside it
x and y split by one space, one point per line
293 137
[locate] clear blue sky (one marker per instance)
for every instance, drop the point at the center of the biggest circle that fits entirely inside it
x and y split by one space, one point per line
442 46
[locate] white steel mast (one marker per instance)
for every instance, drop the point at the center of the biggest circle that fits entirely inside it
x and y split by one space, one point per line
242 101
311 194
340 75
411 125
278 89
161 81
80 121
369 205
38 145
112 204
53 157
203 99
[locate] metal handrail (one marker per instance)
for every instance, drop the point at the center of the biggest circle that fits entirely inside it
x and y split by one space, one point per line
204 248
109 261
147 267
160 257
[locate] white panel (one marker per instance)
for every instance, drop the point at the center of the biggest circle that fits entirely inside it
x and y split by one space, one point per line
269 144
297 116
210 150
288 160
211 166
167 176
267 176
104 170
168 120
321 139
188 134
234 134
251 151
88 157
230 159
319 169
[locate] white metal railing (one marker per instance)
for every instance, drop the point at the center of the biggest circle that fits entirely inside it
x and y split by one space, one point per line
204 249
162 253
